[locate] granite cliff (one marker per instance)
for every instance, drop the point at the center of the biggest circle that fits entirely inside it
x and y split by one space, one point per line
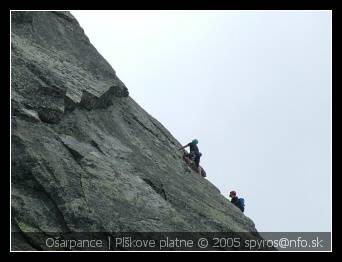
85 157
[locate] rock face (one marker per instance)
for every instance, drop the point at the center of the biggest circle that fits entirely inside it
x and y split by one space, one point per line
85 156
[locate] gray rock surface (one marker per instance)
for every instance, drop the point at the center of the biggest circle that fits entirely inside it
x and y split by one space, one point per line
85 156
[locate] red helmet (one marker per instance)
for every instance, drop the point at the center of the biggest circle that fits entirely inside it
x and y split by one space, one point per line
232 193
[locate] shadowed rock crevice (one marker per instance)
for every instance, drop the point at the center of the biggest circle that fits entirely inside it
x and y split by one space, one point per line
157 188
94 144
77 156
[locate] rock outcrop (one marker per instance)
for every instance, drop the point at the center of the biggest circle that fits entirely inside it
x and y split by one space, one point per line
85 156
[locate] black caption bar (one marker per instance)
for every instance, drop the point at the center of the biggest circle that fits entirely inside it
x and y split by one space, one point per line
172 241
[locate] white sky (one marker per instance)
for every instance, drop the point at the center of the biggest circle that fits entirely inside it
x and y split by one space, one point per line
254 87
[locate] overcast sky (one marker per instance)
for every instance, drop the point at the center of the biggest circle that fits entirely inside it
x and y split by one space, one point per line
254 87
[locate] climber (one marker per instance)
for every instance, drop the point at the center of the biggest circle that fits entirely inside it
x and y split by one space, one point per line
194 154
239 202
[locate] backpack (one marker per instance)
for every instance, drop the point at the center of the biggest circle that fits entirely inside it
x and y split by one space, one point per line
242 204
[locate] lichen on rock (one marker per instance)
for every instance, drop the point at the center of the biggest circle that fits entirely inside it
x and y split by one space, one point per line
85 156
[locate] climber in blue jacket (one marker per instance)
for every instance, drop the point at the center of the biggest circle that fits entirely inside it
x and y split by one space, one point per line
239 202
194 154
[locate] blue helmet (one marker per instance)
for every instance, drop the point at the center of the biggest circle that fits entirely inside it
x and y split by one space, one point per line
195 141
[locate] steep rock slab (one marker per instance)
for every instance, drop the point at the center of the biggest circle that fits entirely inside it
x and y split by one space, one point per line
85 156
